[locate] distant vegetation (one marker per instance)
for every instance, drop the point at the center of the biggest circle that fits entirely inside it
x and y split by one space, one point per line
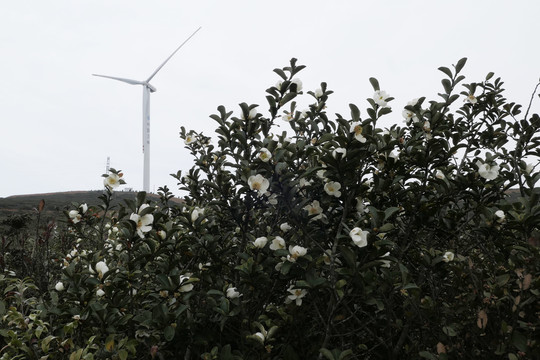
56 203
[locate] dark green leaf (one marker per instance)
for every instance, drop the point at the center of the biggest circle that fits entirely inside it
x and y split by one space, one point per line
169 333
374 83
460 64
355 112
447 71
427 355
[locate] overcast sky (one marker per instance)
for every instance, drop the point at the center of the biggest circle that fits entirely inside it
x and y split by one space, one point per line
59 123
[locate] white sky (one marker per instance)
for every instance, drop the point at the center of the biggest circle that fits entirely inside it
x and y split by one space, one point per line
60 124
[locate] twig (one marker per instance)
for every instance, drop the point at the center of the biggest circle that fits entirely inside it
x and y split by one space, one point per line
530 102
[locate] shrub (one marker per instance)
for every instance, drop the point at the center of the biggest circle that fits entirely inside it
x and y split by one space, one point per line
335 240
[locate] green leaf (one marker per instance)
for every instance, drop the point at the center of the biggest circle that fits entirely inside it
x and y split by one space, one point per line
327 353
389 212
45 343
519 341
447 85
141 198
215 292
427 355
349 255
501 280
286 267
355 112
386 227
449 330
76 355
287 98
290 354
374 83
345 354
109 343
281 73
460 64
447 71
168 333
123 354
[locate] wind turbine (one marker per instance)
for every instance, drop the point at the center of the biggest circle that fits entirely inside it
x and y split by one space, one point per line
147 89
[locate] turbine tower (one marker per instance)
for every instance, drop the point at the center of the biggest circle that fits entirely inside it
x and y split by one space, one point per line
147 89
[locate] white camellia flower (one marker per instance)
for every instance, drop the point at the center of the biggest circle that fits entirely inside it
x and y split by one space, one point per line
112 181
471 99
186 287
162 234
59 286
144 223
409 116
332 188
260 242
303 182
102 269
413 102
277 243
318 93
298 83
296 251
448 256
500 215
285 227
287 117
439 175
356 128
100 292
339 151
252 114
380 98
232 293
314 209
74 216
84 207
487 171
259 183
394 155
385 263
320 174
259 335
265 155
296 296
190 139
359 237
360 206
197 211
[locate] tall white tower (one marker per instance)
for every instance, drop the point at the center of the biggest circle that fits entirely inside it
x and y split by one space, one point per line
147 89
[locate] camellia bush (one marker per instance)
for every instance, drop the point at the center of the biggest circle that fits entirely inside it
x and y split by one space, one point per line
309 236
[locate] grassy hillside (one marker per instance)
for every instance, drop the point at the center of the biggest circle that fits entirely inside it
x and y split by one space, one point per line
56 203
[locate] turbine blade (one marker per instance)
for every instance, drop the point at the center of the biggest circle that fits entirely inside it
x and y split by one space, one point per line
178 48
129 81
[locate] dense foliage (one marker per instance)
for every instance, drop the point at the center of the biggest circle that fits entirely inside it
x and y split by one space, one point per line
332 239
